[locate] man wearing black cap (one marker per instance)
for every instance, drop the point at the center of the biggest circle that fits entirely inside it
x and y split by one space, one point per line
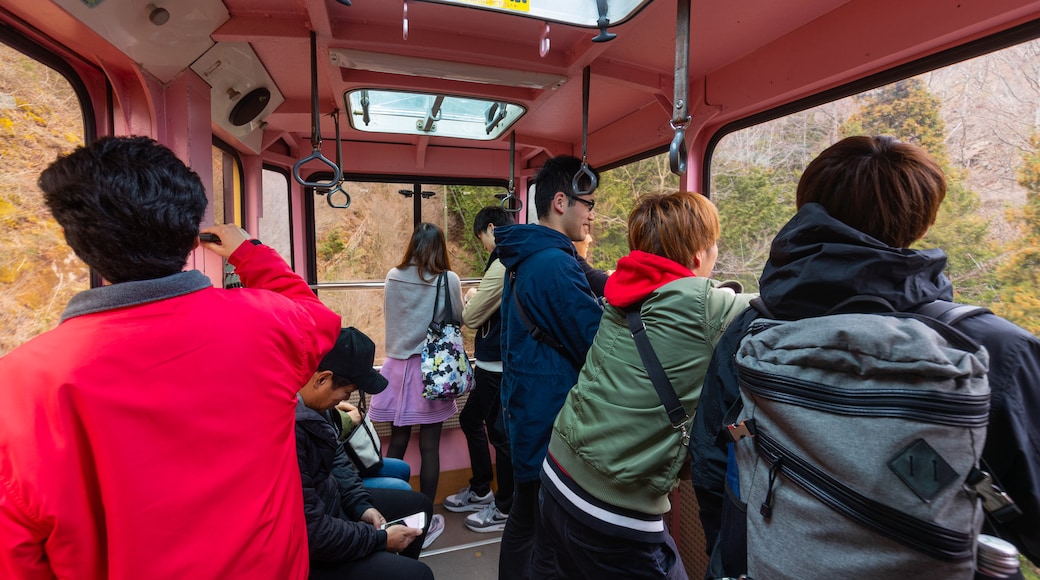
344 519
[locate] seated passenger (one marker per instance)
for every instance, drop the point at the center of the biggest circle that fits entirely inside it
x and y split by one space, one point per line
614 455
343 517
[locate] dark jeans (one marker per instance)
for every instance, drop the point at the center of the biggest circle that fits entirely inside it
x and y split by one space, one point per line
393 504
514 560
483 410
567 548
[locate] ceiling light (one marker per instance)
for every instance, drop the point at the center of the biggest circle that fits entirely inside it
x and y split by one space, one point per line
443 69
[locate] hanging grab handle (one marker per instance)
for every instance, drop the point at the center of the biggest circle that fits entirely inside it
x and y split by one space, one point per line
339 163
681 118
584 170
510 191
677 150
337 173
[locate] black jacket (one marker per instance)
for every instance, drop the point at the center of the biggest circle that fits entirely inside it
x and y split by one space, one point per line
334 497
815 263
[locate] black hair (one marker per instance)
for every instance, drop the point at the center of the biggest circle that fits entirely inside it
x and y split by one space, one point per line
492 214
129 206
558 175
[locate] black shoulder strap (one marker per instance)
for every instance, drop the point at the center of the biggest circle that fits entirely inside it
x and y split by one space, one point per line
950 312
537 333
449 312
676 413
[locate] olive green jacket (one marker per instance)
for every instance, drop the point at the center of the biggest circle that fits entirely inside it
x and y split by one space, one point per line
613 436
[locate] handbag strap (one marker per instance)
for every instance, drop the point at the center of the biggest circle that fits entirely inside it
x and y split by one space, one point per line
669 399
449 312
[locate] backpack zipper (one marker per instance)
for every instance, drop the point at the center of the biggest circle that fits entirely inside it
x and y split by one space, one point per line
936 407
925 537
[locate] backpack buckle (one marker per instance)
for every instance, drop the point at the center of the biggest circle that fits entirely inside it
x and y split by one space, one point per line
995 501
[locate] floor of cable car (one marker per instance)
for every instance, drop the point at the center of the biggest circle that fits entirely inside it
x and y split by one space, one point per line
460 553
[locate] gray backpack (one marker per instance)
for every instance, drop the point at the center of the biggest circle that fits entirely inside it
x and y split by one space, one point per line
864 435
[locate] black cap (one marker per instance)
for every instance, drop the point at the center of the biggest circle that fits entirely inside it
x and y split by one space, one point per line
351 358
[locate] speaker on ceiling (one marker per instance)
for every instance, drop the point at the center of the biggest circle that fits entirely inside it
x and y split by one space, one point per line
249 106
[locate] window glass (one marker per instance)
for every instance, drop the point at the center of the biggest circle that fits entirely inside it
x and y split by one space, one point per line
40 118
977 118
218 186
227 186
577 12
619 190
379 111
357 246
275 228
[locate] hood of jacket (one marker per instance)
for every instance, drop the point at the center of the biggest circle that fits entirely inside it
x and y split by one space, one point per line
640 273
516 243
816 262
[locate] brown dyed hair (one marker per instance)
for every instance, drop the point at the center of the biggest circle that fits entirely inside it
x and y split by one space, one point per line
883 187
427 250
673 225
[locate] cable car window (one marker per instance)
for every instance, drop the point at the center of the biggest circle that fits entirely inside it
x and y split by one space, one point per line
379 111
227 186
276 219
41 118
356 247
977 118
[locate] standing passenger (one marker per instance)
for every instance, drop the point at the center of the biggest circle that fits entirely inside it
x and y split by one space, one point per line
604 489
484 405
125 451
554 294
861 204
410 296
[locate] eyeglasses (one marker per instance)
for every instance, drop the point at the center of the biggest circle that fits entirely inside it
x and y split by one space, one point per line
589 203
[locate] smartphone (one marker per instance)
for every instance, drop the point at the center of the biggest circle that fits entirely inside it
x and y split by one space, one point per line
207 237
416 520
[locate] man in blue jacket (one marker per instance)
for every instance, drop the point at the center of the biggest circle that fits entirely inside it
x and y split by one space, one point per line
546 295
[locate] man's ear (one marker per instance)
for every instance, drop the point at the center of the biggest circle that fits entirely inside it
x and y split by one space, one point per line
560 201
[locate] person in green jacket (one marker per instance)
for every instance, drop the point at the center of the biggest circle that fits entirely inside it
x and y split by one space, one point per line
614 455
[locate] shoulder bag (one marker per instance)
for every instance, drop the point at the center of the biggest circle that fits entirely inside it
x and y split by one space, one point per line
446 369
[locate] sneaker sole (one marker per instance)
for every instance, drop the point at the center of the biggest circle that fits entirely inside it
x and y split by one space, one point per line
471 507
488 529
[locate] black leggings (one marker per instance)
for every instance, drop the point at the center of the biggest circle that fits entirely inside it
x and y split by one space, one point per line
429 453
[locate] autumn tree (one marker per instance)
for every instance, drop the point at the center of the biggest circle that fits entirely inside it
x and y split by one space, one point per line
1019 275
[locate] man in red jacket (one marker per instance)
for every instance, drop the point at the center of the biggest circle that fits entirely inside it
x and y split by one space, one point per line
149 435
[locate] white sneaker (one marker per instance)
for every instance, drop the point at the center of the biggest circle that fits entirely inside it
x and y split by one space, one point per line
436 529
468 501
488 519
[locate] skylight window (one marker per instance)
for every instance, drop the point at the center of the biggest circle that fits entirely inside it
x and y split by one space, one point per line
379 111
577 12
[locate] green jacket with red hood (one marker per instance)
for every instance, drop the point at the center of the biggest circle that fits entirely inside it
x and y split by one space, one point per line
613 437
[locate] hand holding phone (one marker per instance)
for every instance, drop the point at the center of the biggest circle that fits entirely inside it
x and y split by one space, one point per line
207 237
416 520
